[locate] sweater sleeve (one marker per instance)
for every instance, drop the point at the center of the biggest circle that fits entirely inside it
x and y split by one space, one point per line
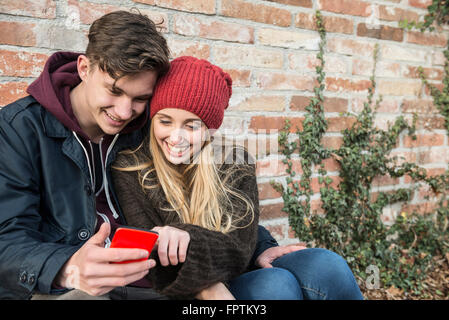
212 256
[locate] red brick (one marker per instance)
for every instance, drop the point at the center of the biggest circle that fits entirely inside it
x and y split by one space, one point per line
266 191
299 103
240 78
272 211
386 180
21 64
420 3
11 91
386 105
429 73
299 3
384 68
433 155
350 47
431 172
213 29
419 106
331 23
189 48
248 56
351 7
339 124
264 124
301 61
257 102
17 33
380 32
399 88
389 13
332 142
276 168
420 208
430 122
32 8
200 6
424 139
330 165
256 12
89 12
340 84
427 39
282 81
278 231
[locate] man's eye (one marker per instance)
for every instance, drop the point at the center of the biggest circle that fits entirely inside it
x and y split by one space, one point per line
114 92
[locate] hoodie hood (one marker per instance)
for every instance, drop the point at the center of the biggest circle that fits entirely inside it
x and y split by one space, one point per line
52 90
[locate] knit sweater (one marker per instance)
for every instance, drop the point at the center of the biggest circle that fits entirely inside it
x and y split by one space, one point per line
212 256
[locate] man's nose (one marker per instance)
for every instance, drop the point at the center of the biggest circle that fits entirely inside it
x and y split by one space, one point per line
124 108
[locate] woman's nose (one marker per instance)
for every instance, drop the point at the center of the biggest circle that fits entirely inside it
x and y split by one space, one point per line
177 136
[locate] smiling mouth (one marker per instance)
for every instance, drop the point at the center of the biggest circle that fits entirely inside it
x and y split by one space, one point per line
113 118
176 150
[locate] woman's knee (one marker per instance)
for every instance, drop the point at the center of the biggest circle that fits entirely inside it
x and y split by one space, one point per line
323 270
266 284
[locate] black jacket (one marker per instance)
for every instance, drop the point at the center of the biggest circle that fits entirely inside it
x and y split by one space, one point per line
47 206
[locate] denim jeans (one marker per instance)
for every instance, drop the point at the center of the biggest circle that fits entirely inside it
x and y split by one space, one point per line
309 274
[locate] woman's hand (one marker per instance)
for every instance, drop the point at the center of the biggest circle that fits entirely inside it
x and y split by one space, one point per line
172 245
217 291
265 259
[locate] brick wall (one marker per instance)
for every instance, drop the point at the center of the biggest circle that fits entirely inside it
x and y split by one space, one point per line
269 49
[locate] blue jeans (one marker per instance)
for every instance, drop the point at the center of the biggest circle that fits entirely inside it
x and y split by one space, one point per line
309 274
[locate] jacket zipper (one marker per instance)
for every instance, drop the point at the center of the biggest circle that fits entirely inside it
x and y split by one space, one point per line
105 181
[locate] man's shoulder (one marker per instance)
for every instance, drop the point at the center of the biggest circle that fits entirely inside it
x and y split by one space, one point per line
20 107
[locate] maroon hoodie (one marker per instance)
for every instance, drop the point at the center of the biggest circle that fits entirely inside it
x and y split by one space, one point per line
52 90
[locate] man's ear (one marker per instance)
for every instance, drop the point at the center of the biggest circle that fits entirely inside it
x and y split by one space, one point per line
83 66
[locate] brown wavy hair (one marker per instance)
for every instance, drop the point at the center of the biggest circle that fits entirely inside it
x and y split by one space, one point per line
123 43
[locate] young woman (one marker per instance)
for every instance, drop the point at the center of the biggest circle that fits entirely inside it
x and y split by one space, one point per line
172 184
205 207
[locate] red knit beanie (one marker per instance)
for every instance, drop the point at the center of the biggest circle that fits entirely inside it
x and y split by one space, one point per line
194 85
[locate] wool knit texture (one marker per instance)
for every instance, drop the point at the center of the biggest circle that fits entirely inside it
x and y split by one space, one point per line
194 85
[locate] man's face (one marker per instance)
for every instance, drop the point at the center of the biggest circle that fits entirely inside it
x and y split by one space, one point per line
107 107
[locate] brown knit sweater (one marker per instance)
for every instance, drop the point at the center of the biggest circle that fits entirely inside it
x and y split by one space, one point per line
212 256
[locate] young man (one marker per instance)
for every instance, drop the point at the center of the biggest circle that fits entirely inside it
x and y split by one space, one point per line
56 148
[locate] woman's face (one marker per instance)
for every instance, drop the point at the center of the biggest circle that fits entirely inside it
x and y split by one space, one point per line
179 133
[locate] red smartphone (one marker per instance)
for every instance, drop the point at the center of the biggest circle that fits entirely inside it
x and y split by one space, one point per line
126 237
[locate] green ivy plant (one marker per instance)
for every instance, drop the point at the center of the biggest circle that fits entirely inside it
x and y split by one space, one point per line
352 223
437 13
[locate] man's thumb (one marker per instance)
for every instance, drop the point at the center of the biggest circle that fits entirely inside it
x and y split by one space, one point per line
103 233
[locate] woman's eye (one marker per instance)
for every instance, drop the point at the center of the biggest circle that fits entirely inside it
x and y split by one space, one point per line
165 122
194 126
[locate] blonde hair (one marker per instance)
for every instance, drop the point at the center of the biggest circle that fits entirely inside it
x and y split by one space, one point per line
196 191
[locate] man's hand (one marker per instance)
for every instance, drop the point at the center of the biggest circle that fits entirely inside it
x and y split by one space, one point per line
217 291
265 259
91 268
172 245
